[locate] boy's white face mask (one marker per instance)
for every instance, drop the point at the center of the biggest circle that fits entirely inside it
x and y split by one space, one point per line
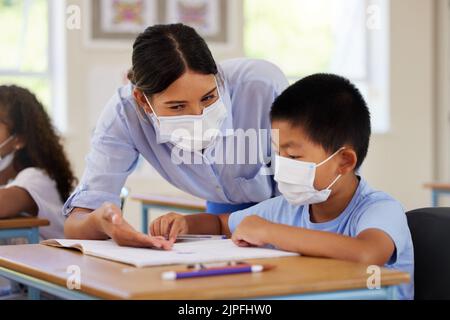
191 133
296 180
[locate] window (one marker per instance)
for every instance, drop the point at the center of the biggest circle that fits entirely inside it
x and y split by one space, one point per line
346 37
31 51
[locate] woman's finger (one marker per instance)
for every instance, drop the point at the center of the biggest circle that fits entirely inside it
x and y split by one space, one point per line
167 245
160 243
141 240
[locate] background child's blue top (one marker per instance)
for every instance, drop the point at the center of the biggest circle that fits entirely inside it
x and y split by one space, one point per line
369 209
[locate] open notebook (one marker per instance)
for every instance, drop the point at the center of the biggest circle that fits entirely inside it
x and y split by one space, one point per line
182 253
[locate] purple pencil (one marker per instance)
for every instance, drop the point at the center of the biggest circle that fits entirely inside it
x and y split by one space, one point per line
173 275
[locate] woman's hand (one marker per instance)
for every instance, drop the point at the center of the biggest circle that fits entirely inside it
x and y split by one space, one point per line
169 226
112 223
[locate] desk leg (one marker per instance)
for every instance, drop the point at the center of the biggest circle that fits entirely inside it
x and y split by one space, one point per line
391 293
435 198
144 218
33 237
385 293
33 294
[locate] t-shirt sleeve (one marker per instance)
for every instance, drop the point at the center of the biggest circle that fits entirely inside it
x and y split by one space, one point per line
111 159
39 185
389 217
267 209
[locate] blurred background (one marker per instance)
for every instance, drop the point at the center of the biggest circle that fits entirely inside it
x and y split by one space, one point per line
74 54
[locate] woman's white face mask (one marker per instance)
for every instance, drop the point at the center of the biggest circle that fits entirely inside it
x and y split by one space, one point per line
191 133
6 160
296 180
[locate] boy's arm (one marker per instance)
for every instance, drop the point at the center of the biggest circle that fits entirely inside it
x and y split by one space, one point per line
173 224
205 223
371 246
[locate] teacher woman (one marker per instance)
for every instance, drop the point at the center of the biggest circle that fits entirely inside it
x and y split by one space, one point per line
177 112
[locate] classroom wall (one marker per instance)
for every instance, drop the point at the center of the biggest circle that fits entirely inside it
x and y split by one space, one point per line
93 74
442 94
399 162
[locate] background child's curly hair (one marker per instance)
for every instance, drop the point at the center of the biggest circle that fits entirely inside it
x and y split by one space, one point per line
25 116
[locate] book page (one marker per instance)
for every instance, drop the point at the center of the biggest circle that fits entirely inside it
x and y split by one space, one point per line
182 253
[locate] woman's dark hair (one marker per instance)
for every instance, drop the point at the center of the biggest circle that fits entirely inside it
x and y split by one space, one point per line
26 117
163 53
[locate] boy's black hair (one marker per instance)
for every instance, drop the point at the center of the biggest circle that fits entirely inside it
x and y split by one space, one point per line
331 111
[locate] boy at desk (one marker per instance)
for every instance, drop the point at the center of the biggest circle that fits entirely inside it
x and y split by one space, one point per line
326 208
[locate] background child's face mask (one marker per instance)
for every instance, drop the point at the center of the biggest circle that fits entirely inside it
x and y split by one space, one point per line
6 160
296 180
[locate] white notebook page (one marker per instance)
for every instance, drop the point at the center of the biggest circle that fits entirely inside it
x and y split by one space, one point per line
182 253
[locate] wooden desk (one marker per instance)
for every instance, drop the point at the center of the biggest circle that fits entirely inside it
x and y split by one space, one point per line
169 204
45 268
437 190
26 227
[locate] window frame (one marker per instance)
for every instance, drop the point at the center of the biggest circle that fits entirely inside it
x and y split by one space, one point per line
56 66
376 79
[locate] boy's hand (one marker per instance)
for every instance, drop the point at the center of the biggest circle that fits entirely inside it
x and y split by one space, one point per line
169 226
113 224
252 231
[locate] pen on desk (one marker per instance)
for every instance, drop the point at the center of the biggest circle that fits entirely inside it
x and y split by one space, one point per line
200 237
212 265
173 275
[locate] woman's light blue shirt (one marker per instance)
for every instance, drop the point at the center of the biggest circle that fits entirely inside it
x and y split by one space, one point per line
122 134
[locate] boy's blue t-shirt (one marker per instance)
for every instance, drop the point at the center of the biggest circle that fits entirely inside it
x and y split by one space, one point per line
368 209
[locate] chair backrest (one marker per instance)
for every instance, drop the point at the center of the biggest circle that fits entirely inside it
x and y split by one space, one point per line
430 231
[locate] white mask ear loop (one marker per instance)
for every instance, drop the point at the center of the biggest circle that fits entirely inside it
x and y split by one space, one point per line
150 105
217 86
218 93
335 180
330 157
4 143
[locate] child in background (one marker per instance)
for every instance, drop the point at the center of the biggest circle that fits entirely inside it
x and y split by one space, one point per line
326 208
35 175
